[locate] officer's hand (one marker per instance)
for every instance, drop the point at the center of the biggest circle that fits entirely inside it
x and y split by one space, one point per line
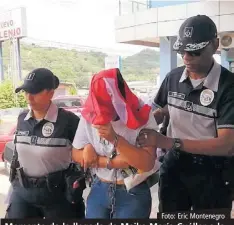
158 115
106 131
90 157
147 138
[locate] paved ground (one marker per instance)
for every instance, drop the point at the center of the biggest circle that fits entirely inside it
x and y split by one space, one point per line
4 185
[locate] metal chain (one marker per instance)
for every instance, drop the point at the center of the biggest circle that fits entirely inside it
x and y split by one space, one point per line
112 187
113 194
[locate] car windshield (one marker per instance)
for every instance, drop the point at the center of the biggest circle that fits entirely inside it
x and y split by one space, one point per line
67 102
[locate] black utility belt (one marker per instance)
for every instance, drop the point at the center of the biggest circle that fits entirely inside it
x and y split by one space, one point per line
70 181
218 161
50 181
33 182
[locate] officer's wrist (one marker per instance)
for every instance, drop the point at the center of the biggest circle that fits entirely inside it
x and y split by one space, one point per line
164 142
178 144
169 143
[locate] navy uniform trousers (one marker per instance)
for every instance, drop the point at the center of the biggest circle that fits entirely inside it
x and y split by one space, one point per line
191 182
41 203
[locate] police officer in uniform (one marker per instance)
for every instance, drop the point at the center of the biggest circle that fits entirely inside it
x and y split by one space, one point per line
42 153
200 101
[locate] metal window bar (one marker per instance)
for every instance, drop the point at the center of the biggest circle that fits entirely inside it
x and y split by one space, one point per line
135 6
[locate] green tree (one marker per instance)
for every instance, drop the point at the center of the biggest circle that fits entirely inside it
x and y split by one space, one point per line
72 90
8 98
74 66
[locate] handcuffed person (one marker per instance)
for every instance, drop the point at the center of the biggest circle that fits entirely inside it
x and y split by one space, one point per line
41 170
106 141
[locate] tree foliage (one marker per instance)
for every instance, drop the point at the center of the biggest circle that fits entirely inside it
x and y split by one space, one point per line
73 66
72 91
8 99
79 66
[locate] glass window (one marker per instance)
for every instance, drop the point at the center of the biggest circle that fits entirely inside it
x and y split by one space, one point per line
67 102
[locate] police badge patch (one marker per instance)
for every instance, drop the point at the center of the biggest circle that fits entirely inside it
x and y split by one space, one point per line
206 97
47 129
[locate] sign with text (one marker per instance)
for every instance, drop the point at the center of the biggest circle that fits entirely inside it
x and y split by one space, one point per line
114 222
112 62
13 24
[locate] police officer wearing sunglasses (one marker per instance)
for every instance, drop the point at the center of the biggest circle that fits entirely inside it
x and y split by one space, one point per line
200 101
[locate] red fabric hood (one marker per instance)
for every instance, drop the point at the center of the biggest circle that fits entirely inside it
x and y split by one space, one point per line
109 94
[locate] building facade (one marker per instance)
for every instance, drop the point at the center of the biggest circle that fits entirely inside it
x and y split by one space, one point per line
156 24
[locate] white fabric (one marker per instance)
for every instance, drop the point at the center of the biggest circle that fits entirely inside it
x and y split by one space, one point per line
117 101
136 179
87 134
196 82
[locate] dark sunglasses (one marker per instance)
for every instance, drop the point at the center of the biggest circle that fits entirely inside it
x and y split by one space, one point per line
193 53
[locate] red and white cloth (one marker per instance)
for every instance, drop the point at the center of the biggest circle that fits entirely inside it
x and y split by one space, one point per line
106 99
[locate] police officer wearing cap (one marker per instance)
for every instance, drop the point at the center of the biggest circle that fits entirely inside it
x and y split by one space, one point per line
42 153
200 101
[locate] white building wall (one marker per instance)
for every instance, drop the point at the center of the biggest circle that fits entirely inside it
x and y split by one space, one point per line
165 21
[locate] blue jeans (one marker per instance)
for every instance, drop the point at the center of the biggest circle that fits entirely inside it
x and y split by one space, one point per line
132 204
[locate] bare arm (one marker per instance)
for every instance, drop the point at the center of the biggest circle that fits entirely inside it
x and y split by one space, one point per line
117 162
220 146
133 156
85 154
140 158
224 143
77 156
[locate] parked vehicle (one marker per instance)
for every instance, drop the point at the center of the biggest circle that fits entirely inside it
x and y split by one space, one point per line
70 102
9 115
8 154
7 131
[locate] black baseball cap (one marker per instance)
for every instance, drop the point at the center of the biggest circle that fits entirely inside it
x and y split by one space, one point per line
195 33
38 80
